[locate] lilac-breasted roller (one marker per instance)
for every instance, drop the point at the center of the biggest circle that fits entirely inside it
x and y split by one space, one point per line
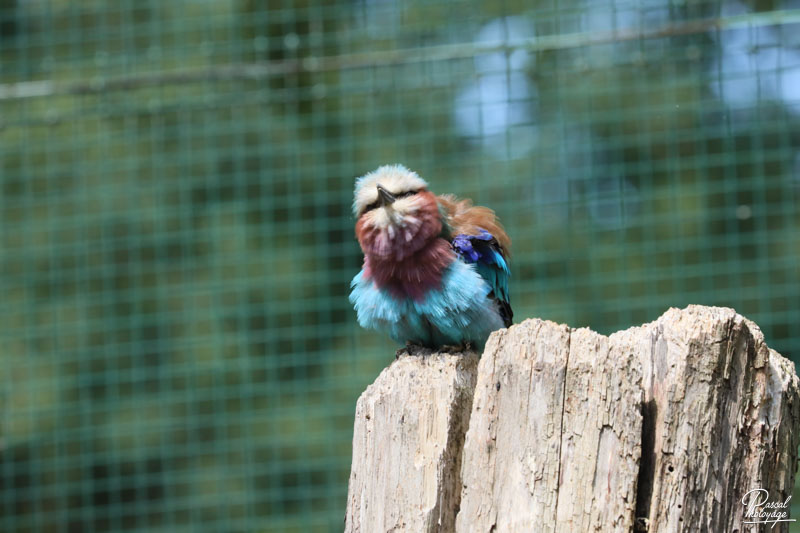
435 267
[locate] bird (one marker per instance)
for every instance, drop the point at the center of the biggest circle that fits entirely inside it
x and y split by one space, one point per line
436 268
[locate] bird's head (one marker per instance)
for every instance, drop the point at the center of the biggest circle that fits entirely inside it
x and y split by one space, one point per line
397 215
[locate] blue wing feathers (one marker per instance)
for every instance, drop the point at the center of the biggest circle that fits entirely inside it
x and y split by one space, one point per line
485 253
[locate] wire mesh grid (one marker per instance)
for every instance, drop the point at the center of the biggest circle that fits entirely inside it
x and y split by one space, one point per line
178 351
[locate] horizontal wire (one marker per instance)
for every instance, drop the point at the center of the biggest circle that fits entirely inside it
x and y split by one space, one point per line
265 69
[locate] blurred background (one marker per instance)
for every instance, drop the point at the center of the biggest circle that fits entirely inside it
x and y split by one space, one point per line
177 352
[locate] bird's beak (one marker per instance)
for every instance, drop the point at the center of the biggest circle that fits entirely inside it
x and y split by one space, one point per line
385 196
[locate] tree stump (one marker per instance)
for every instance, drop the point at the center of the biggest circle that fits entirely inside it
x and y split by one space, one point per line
556 446
409 433
664 427
721 413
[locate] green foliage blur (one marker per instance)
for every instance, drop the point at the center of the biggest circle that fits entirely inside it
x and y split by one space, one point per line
177 348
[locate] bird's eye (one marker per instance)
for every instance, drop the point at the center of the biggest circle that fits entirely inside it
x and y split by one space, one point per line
377 203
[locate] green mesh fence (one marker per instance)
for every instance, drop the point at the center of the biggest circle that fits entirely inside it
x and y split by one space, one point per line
176 345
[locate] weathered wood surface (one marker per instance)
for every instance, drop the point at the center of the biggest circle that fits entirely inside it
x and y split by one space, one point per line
556 446
722 413
511 456
663 427
601 435
407 442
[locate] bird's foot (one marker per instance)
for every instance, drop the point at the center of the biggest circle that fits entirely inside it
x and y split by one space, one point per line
456 348
412 349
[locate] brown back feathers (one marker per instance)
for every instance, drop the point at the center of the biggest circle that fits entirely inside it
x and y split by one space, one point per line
469 219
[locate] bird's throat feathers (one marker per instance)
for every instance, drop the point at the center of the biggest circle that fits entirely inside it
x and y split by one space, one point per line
415 275
402 245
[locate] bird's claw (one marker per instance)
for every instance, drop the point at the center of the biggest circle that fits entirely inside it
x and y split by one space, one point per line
412 349
456 348
416 349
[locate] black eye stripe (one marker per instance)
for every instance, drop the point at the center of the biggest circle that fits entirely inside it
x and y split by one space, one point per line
377 203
